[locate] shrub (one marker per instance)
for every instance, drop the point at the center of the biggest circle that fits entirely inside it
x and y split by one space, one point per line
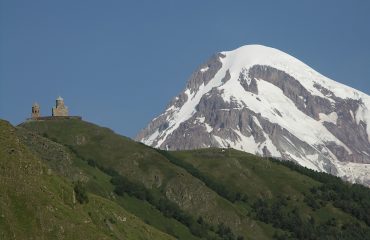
80 192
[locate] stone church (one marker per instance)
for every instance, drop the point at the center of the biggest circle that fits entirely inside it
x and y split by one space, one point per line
60 110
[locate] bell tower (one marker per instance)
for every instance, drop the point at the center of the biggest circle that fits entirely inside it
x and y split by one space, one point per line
35 111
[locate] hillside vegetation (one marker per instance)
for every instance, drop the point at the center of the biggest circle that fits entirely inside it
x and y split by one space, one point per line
35 203
201 194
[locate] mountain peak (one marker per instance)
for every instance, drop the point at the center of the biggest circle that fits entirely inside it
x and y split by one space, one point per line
250 55
263 101
256 53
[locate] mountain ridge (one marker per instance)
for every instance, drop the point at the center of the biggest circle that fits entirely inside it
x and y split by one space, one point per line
274 105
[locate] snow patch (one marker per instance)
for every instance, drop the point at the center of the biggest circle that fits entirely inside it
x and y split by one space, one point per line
245 75
222 143
270 147
331 118
354 172
204 69
303 162
352 115
247 144
201 119
208 127
151 138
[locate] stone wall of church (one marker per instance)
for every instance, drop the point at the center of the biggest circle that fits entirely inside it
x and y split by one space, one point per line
60 110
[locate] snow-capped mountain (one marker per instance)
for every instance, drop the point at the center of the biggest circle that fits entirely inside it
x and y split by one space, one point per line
263 101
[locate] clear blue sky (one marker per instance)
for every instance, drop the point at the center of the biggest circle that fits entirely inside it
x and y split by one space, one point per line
118 63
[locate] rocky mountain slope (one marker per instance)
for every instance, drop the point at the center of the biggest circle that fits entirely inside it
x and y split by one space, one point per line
263 101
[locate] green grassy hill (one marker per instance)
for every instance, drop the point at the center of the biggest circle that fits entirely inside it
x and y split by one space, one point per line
37 204
144 165
201 194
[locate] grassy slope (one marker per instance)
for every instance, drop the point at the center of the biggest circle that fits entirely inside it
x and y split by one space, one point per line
244 172
259 178
65 163
37 204
141 163
247 174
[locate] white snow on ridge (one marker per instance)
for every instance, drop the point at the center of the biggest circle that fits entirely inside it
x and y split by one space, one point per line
249 55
